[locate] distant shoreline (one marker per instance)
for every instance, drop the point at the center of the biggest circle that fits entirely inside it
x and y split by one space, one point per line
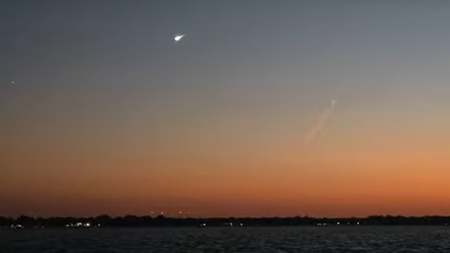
161 221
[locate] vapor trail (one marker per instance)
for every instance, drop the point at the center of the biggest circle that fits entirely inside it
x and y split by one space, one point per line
320 123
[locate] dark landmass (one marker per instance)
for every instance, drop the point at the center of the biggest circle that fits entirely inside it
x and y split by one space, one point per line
161 221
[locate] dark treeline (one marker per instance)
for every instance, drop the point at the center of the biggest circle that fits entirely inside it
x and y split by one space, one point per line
147 221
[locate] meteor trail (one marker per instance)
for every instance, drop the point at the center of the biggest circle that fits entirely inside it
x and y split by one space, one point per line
320 123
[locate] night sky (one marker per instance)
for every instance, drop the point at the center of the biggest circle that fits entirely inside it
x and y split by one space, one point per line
264 108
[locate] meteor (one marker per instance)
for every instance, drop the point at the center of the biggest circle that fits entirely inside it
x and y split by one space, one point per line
177 38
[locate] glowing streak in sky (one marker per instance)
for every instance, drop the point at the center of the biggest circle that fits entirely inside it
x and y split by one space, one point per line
177 38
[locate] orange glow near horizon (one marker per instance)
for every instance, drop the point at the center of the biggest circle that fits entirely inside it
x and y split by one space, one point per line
353 181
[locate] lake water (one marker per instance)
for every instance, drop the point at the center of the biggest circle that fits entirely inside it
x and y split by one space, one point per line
212 240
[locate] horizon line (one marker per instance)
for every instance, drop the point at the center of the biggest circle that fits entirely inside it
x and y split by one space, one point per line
183 216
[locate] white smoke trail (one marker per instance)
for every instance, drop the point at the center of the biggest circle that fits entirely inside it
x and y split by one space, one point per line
320 124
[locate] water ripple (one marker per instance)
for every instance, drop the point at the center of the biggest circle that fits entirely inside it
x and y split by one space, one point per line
233 240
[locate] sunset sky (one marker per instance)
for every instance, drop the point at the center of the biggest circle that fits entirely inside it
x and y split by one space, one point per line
101 112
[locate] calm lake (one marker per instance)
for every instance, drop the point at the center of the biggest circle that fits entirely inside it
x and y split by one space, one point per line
243 239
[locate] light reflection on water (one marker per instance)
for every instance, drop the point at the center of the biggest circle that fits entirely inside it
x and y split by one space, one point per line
287 239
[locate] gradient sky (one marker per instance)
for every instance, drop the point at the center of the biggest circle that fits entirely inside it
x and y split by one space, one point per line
107 115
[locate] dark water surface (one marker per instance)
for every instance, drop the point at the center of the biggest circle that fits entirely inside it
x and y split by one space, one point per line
211 240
